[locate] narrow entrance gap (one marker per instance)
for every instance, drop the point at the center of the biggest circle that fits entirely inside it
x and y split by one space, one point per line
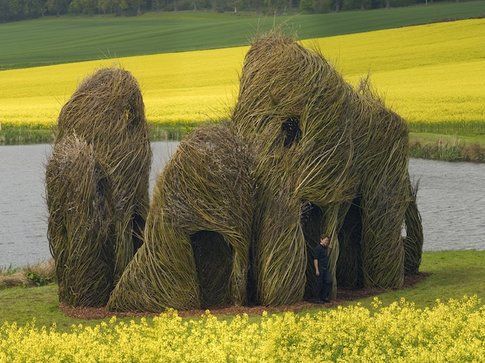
349 264
311 220
213 261
138 225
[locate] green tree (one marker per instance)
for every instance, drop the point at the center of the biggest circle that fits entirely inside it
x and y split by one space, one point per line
306 6
57 7
106 6
218 5
275 6
322 6
34 8
356 4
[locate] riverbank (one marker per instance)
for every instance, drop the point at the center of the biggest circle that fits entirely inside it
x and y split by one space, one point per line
39 274
447 147
453 274
446 143
18 134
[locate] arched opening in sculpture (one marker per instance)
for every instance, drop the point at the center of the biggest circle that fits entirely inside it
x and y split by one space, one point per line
213 258
137 233
311 220
349 265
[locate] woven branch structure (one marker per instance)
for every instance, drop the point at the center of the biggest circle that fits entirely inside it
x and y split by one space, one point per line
198 231
97 186
240 204
80 206
331 160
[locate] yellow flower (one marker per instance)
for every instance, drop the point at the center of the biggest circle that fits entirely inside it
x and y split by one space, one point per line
402 332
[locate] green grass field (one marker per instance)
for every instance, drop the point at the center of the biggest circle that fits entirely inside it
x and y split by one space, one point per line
453 275
54 40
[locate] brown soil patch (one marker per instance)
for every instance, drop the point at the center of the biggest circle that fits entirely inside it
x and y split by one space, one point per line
343 295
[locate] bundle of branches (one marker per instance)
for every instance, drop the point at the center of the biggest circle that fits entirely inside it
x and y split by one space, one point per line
323 147
413 243
198 229
79 228
106 117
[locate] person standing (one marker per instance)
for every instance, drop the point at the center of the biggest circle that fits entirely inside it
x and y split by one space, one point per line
320 262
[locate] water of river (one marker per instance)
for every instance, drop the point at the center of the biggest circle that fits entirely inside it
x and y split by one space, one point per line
451 199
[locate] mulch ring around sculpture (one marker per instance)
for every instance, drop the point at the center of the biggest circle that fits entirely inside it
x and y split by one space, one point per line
343 295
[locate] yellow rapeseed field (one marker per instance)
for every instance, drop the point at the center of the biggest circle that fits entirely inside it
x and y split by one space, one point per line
428 73
448 332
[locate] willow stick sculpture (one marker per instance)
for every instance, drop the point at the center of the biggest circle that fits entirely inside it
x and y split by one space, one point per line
198 230
238 208
319 142
101 155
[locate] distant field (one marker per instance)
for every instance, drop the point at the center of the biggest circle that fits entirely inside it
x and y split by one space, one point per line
67 39
431 74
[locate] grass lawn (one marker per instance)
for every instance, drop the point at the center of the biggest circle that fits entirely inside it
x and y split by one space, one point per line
65 39
453 274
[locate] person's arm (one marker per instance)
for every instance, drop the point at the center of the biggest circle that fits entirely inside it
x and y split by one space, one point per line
315 263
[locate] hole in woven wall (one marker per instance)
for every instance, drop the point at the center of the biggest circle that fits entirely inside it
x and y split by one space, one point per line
291 131
133 112
349 264
213 261
102 193
102 183
251 285
311 220
138 223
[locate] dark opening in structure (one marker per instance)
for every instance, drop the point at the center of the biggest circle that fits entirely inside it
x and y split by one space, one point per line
252 297
311 220
213 262
134 119
138 225
291 131
349 264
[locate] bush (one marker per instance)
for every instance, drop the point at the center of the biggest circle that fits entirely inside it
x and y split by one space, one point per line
39 274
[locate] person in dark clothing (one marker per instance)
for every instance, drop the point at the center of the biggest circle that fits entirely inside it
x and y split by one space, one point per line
320 262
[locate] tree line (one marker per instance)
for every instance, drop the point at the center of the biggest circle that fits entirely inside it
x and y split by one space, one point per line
11 10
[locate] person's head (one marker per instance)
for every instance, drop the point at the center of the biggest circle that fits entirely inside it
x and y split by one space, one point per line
325 240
